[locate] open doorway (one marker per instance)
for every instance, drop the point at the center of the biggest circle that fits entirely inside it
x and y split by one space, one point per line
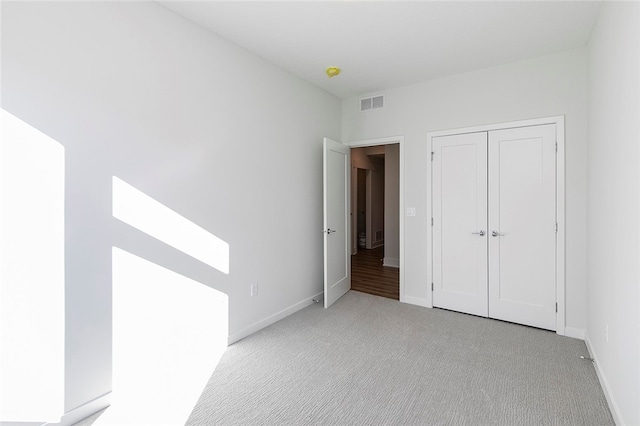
375 189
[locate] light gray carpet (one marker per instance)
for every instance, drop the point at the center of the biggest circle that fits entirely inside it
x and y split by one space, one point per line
374 361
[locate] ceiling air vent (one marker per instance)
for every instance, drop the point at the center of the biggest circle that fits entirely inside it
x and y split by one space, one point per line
373 102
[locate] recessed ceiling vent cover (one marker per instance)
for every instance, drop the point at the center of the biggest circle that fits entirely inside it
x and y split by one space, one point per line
374 102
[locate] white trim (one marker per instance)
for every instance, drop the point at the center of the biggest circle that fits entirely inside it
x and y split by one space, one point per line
560 236
85 410
499 126
377 244
375 141
576 333
418 301
560 203
613 407
257 326
388 141
392 262
429 219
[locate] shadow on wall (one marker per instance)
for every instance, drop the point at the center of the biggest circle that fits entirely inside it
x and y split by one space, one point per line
169 331
137 209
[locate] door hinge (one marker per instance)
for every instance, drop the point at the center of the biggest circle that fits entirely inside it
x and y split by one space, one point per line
431 286
432 153
556 307
556 146
431 221
556 227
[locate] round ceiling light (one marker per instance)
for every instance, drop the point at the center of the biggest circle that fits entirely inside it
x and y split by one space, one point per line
332 71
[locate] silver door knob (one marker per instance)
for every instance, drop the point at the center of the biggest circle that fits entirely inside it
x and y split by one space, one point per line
496 234
481 233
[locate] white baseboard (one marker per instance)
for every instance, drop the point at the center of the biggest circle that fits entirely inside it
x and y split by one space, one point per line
273 318
85 410
3 423
391 261
415 301
73 416
376 244
604 384
576 333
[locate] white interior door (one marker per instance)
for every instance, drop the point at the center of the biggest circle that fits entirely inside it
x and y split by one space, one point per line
522 225
337 253
460 223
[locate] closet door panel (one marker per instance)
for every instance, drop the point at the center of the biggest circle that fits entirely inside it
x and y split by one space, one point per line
460 223
522 225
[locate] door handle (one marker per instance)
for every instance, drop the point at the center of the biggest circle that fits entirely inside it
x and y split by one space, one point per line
481 233
496 234
330 231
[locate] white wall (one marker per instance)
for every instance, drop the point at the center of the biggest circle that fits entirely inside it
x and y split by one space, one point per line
391 204
614 210
377 205
31 233
540 87
223 138
360 159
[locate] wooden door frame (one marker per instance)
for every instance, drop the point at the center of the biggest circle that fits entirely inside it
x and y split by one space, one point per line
390 141
560 203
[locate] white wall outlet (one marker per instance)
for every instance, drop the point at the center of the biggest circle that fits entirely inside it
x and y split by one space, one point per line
254 289
606 333
411 211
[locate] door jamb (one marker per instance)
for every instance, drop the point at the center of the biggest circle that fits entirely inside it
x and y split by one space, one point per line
560 203
389 141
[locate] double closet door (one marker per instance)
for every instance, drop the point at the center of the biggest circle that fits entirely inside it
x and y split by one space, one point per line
494 224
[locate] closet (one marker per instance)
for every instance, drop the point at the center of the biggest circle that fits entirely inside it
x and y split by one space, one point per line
494 225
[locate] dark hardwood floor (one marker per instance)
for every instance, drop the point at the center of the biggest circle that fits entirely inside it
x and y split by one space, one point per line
369 276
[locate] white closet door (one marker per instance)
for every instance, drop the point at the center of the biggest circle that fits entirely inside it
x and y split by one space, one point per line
522 225
460 223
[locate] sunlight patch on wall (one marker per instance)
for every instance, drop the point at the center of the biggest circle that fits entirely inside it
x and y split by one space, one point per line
169 333
32 310
153 218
